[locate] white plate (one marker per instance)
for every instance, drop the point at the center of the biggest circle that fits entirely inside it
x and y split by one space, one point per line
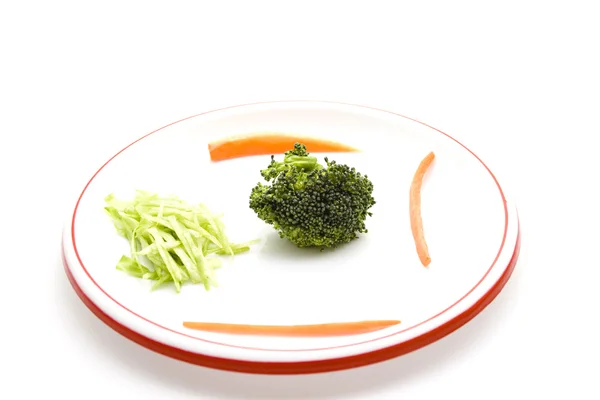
471 229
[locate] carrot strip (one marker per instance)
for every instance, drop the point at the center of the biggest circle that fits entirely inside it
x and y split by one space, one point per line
267 144
330 329
416 222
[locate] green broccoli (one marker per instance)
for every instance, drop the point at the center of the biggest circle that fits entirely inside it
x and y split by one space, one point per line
310 204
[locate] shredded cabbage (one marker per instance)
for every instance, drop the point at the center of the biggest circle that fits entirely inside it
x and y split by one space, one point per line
170 240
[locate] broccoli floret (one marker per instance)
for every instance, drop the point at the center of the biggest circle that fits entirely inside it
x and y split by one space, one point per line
313 205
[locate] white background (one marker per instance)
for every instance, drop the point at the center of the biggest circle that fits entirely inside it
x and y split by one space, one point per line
516 81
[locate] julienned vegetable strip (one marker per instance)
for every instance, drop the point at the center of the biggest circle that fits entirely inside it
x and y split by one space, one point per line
176 239
416 221
267 144
329 329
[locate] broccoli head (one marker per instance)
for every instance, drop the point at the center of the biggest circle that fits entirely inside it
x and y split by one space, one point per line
310 204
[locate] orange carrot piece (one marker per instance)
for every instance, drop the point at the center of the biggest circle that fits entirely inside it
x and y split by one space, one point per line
416 222
267 144
330 329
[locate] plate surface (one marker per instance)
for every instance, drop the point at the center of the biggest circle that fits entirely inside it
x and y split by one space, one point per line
471 228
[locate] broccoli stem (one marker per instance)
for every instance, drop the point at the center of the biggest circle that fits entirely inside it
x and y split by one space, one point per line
305 162
298 158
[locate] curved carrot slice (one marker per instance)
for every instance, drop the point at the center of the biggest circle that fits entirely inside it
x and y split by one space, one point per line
416 222
330 329
267 144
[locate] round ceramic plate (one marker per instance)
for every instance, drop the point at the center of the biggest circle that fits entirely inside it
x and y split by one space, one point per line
471 228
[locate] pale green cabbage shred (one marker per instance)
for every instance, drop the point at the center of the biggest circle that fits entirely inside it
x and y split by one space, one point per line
170 240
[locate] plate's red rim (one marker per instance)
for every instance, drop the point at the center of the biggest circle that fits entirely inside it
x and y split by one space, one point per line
288 350
303 367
